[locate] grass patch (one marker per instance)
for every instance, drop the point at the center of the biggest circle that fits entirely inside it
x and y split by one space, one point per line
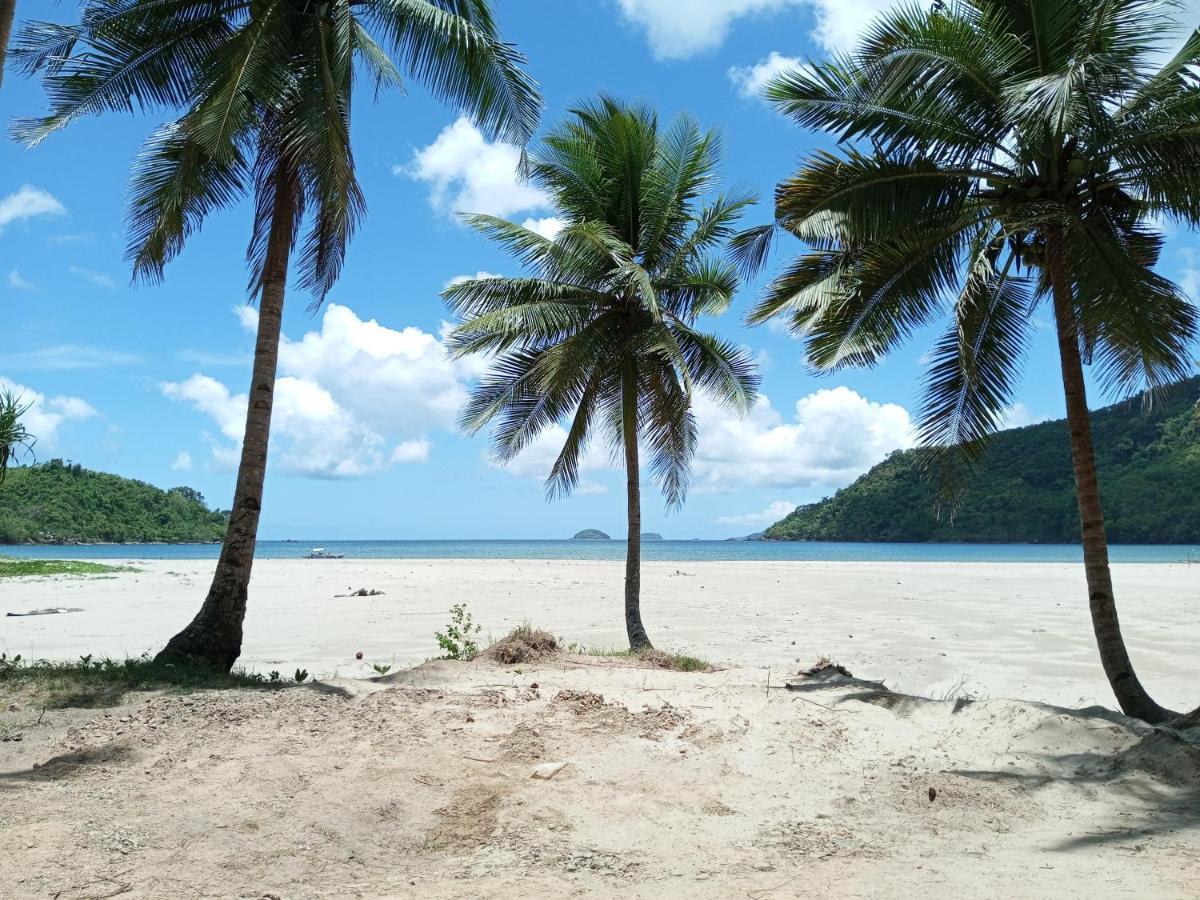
92 682
24 568
660 659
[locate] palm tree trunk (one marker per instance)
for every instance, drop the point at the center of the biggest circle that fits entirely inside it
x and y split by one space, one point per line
1130 694
8 12
634 628
214 637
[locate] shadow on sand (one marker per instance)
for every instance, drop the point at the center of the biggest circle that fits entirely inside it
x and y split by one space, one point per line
1156 771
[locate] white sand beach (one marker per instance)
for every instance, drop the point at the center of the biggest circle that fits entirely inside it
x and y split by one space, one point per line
704 785
989 629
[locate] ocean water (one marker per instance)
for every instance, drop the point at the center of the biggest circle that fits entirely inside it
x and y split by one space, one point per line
673 551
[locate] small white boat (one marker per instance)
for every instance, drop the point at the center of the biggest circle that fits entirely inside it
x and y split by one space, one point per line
322 553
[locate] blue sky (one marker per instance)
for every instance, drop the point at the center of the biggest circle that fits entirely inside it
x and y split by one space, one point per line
145 380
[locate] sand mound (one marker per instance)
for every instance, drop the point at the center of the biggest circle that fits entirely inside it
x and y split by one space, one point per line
667 785
523 645
1167 755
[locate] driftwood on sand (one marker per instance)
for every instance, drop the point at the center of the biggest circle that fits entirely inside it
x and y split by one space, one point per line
47 611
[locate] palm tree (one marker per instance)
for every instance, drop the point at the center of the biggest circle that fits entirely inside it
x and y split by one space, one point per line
13 435
602 330
1004 154
8 11
264 88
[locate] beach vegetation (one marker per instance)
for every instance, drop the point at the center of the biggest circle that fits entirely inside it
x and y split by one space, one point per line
15 439
600 331
259 98
659 659
998 163
458 639
34 568
97 682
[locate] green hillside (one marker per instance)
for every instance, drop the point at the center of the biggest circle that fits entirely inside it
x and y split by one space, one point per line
1023 492
56 502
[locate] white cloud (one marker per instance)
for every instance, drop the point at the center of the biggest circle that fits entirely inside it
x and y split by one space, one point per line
69 356
17 283
1018 416
183 462
537 459
676 30
413 451
26 203
840 23
459 279
97 278
548 227
351 399
834 436
469 174
767 516
46 415
247 316
750 80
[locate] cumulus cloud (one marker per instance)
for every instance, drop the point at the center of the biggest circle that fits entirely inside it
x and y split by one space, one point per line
352 398
549 227
840 23
182 462
750 80
26 203
46 415
833 436
771 513
538 457
678 30
469 174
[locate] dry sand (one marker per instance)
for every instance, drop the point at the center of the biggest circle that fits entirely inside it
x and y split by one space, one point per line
1001 630
698 785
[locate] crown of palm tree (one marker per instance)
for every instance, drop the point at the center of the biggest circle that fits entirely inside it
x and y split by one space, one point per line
990 141
607 315
13 435
259 82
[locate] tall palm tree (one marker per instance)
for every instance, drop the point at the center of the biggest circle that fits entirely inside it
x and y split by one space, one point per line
1000 155
8 11
264 90
14 437
602 331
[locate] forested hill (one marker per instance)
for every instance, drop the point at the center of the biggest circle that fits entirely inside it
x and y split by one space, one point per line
56 502
1024 490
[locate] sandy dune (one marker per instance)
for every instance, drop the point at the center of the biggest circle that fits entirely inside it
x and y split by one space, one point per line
675 785
993 630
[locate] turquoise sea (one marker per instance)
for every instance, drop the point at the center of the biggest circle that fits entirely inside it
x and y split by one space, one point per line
673 551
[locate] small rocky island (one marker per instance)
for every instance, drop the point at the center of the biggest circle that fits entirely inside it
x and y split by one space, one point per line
651 536
591 534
